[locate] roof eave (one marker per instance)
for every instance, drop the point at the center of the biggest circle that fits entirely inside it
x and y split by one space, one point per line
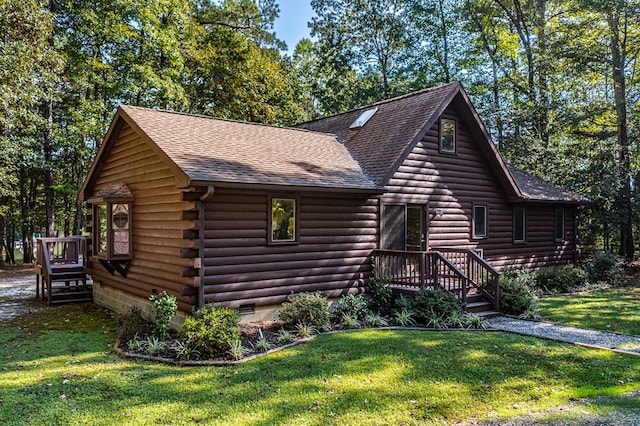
372 190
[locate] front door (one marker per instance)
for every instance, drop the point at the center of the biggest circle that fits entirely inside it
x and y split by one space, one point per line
416 228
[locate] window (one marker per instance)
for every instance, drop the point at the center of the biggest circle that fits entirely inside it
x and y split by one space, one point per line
559 225
447 135
283 221
479 221
112 233
363 118
519 225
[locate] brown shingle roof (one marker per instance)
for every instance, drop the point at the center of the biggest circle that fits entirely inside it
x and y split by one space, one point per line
534 188
214 150
382 142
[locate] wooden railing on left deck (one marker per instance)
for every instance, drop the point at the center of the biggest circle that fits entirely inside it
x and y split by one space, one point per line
55 253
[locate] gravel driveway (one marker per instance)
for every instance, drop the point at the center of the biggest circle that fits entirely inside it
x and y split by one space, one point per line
18 295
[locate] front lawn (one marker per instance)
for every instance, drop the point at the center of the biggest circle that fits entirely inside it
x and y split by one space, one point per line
615 309
57 368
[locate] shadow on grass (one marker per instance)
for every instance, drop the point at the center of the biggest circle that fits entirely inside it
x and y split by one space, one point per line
365 377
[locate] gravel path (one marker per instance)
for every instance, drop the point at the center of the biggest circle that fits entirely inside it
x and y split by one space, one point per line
18 295
565 333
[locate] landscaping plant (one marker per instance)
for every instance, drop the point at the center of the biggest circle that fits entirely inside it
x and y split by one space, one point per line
208 332
380 296
351 305
164 308
308 309
434 307
516 296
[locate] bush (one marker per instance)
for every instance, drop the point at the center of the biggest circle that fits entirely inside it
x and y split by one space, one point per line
516 296
211 331
438 305
560 279
131 324
380 296
351 305
164 308
308 309
605 267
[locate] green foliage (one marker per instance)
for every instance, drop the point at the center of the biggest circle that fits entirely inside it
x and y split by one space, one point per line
305 330
560 279
516 296
351 305
209 331
284 337
130 324
375 320
434 305
236 350
605 267
164 308
404 318
307 309
349 321
380 295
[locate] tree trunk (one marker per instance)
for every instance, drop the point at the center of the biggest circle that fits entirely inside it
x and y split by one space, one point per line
618 58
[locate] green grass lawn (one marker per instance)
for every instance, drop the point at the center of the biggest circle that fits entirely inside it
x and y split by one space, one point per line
56 367
616 309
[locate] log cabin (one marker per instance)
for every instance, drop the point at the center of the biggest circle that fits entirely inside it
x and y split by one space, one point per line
245 215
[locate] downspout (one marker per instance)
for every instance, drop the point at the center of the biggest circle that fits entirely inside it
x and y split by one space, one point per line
201 213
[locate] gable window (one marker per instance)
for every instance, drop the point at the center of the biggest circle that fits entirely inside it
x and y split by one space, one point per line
447 135
283 226
558 228
519 225
479 221
112 223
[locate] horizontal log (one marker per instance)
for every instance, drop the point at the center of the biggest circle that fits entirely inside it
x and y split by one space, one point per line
190 234
262 250
189 272
159 208
164 241
276 291
277 300
284 258
190 215
189 253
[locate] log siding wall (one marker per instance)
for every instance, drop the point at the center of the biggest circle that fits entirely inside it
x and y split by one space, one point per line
336 238
453 183
157 223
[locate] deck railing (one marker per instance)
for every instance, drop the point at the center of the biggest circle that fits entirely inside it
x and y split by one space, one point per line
420 269
454 270
57 256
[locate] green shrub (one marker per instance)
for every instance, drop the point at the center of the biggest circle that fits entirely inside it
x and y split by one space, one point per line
434 305
307 309
131 324
164 308
402 303
560 279
210 330
516 296
605 267
351 305
380 296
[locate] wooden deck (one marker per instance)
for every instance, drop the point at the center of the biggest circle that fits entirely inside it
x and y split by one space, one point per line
462 273
60 271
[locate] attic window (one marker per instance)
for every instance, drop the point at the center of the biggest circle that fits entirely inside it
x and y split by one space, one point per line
363 118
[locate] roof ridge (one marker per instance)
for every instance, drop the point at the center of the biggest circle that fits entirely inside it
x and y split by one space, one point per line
386 101
228 120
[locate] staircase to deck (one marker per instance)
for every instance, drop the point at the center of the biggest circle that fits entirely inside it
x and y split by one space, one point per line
463 273
60 271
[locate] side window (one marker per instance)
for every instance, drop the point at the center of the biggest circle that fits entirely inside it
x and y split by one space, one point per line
112 230
283 226
559 229
519 225
479 222
447 135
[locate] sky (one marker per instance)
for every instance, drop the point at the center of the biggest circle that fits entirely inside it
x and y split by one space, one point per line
291 25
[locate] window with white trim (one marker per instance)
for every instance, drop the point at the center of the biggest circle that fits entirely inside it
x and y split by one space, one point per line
519 225
448 135
283 223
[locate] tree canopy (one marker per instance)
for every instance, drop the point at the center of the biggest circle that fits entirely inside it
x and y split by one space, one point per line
554 81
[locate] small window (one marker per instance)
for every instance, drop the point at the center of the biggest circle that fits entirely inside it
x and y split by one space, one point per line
479 221
447 135
112 232
559 225
283 220
519 225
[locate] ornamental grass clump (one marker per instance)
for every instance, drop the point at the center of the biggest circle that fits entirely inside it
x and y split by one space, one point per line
210 330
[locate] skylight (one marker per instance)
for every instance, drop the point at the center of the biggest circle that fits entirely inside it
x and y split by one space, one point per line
364 117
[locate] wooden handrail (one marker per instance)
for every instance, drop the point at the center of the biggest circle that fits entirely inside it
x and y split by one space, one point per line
485 278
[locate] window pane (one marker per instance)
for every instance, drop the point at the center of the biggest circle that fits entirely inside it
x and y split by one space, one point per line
120 228
414 228
479 221
447 135
519 224
283 219
394 227
101 230
559 225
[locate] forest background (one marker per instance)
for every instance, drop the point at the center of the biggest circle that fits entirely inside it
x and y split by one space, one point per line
556 83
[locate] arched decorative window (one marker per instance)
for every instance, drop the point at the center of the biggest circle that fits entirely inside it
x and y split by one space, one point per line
111 233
